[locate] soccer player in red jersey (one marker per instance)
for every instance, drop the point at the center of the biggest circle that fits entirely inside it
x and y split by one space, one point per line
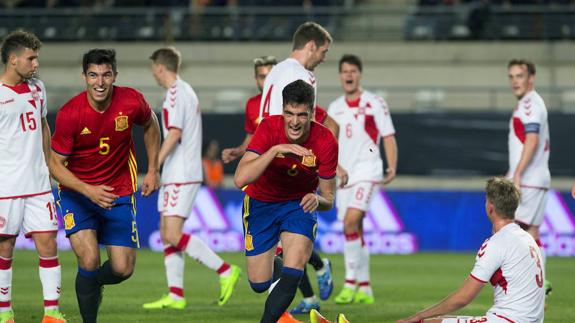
94 161
26 201
286 160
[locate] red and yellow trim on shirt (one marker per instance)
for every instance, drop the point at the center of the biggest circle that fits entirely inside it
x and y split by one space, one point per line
133 166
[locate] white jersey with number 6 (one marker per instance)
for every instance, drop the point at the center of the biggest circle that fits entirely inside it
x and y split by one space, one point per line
282 74
23 170
181 110
362 124
511 261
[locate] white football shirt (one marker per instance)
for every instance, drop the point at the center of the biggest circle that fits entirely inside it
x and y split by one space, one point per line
282 74
23 170
181 110
530 115
362 124
511 261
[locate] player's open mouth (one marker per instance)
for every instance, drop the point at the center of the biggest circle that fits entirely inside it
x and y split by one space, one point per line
350 82
295 131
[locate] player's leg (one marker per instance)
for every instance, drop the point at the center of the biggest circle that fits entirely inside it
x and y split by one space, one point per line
88 289
12 211
323 273
41 223
352 251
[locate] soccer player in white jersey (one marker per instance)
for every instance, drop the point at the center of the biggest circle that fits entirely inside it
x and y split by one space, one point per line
528 144
309 48
26 200
510 260
181 179
363 119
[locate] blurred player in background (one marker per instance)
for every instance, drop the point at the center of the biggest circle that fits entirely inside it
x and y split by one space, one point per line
364 119
528 144
94 161
282 175
510 260
26 200
180 156
262 67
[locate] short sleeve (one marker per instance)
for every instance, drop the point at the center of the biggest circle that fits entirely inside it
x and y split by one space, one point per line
262 139
328 158
44 100
532 116
143 111
489 259
63 137
178 105
382 117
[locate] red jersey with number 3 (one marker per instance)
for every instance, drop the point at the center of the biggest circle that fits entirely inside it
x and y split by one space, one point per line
290 177
99 145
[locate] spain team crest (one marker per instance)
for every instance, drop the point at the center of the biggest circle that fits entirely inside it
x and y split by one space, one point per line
121 123
308 161
69 221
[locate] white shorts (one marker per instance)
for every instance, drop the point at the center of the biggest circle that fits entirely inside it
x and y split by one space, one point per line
531 207
489 317
357 196
177 199
31 214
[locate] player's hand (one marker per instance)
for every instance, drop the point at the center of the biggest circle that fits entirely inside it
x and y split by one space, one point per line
293 149
342 176
309 202
231 154
389 175
101 195
151 183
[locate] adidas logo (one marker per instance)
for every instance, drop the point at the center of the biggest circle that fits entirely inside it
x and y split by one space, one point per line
85 131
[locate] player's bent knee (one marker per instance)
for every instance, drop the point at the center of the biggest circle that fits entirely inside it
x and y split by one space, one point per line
260 287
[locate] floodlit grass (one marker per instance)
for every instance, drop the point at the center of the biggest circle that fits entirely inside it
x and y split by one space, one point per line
402 285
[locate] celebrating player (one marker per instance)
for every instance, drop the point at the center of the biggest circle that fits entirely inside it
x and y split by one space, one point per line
364 119
286 160
26 200
510 260
94 161
528 144
181 180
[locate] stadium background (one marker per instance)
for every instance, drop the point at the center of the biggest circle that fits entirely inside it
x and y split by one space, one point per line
441 65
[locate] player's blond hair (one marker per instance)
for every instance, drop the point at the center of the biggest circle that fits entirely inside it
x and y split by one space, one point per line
504 196
170 57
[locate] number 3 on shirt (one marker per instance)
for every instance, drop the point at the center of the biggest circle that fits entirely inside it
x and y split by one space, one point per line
538 277
104 146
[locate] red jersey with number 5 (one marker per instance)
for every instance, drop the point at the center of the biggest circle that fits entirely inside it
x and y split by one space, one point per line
99 145
291 177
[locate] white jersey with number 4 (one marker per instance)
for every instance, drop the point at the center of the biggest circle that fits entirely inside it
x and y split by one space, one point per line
530 115
23 170
181 110
511 261
362 124
282 74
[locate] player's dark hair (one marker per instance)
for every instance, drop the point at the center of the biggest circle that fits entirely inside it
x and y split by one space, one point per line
17 41
351 59
299 92
529 64
504 196
264 61
170 57
310 31
98 56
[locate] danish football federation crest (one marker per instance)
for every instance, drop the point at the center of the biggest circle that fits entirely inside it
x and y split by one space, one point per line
121 123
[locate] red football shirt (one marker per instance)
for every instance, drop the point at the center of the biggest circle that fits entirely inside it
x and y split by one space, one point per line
252 113
287 177
99 146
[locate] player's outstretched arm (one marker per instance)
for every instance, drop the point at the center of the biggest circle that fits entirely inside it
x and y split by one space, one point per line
252 165
458 299
390 147
152 143
322 201
529 147
231 154
101 195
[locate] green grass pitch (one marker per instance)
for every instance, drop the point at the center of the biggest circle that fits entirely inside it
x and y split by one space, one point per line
402 285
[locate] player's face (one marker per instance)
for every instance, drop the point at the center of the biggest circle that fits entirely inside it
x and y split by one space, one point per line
297 120
26 63
261 74
349 76
317 55
520 80
99 81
